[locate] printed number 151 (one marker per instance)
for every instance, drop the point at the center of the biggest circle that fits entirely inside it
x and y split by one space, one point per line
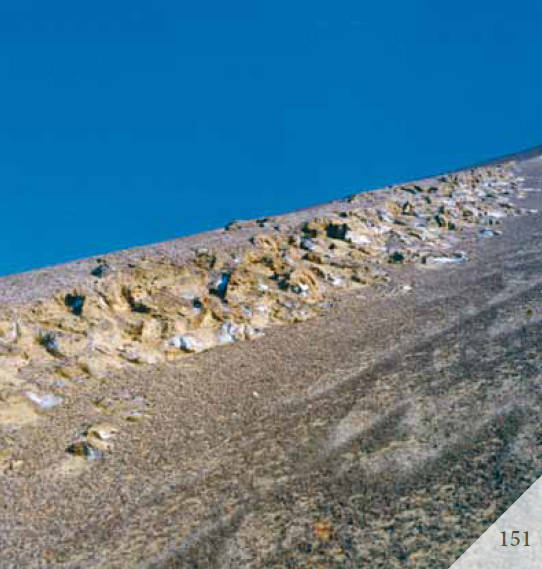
515 538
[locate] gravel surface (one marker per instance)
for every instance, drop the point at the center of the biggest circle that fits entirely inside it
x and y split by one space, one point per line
388 432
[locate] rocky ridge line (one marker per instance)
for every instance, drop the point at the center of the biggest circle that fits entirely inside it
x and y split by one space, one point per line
156 310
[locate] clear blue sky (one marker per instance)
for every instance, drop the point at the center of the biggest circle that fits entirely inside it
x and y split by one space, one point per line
125 123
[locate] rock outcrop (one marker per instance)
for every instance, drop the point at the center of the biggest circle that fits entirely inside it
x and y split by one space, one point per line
158 310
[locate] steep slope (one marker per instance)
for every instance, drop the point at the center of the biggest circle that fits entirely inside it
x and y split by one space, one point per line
391 423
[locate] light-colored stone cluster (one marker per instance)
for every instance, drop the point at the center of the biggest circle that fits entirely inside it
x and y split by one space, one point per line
157 311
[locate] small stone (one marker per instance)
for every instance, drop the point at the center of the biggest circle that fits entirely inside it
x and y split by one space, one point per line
357 238
253 333
233 224
338 281
495 214
15 464
300 289
49 341
102 431
488 233
337 230
186 343
75 302
46 401
189 344
101 270
384 216
135 416
458 258
308 244
230 332
221 286
82 447
175 342
139 307
397 257
205 258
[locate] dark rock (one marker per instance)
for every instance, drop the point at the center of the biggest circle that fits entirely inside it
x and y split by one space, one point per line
221 287
396 257
83 448
139 307
49 341
101 270
75 302
337 230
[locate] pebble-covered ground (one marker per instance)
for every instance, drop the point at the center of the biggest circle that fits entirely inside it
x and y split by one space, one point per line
390 392
156 310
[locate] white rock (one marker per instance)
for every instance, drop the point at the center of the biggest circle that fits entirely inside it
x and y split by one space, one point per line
338 281
175 342
460 258
301 289
45 401
189 344
253 333
488 233
230 332
357 239
186 343
497 214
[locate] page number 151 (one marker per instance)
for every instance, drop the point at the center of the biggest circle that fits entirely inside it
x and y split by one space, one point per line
513 538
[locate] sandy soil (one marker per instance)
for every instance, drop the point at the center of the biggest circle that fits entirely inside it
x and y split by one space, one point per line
387 432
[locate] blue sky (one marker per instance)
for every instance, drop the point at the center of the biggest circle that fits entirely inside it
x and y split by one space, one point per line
125 123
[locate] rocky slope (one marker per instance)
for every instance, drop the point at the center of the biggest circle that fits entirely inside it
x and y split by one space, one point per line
122 445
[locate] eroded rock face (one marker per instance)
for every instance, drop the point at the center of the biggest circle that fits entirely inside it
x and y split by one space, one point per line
157 310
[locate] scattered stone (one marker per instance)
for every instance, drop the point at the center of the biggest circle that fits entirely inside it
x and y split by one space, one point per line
308 244
75 302
397 257
156 308
94 441
253 333
186 343
135 416
82 447
457 258
102 431
15 464
234 224
488 233
100 271
357 238
221 285
229 333
49 341
139 307
205 259
337 230
46 401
